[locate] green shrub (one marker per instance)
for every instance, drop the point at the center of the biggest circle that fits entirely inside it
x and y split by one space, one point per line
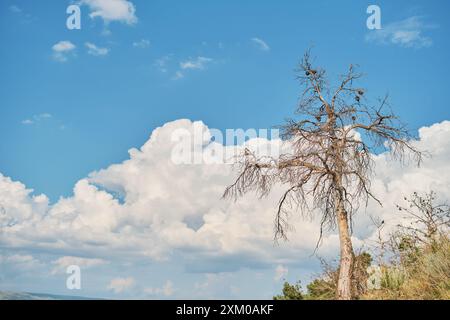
290 292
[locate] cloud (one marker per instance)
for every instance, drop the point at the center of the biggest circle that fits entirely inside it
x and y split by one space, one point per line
144 43
150 220
120 285
166 290
43 118
18 266
96 51
162 63
198 63
262 45
22 16
17 205
180 216
181 68
112 10
36 118
18 261
63 46
27 122
15 9
216 286
280 272
62 263
178 75
408 33
62 50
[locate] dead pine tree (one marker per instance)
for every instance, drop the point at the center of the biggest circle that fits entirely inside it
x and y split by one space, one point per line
332 141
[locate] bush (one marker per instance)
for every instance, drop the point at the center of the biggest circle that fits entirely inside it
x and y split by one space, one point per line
419 266
422 276
290 292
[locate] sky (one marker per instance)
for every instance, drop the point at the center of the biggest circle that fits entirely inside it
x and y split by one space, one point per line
79 112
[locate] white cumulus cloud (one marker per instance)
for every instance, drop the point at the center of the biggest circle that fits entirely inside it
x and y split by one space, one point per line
36 118
112 10
62 263
148 207
408 33
197 63
19 261
95 50
62 50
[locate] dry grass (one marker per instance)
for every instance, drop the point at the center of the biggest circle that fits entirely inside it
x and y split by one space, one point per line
426 275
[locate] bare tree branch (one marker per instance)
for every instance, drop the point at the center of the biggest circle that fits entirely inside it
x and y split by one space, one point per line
331 161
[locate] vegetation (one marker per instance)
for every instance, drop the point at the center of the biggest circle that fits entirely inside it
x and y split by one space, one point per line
413 263
291 292
424 274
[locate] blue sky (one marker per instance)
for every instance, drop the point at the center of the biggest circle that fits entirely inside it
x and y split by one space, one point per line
109 104
66 111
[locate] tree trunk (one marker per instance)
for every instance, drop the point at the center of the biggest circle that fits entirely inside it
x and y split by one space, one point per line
344 286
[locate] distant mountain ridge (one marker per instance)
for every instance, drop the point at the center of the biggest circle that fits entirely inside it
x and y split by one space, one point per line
7 295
